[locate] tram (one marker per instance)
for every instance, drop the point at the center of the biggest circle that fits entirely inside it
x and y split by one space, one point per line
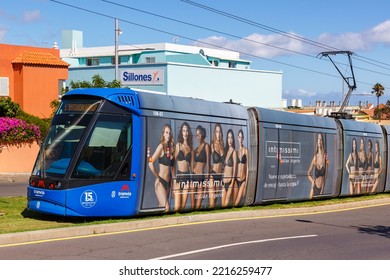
123 152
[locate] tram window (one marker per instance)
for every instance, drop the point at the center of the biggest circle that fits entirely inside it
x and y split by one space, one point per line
105 149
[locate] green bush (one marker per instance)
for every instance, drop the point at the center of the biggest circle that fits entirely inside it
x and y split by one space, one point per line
43 124
8 108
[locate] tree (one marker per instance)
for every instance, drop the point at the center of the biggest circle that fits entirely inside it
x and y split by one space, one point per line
379 90
97 82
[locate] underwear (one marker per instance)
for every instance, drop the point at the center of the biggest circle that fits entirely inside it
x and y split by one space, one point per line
163 182
215 176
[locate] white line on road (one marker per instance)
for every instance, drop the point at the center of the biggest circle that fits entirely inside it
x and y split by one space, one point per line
231 245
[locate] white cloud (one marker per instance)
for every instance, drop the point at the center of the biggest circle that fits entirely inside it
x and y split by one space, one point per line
346 41
31 16
257 44
273 45
300 93
380 33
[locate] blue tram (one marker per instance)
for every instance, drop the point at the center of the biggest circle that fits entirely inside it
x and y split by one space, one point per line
120 152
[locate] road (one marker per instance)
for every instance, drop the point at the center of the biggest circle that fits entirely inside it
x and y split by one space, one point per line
359 233
13 185
8 189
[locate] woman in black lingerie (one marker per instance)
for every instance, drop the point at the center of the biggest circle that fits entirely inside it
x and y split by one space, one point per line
377 167
352 168
217 153
164 155
230 169
369 169
242 169
184 153
201 165
362 165
370 157
320 166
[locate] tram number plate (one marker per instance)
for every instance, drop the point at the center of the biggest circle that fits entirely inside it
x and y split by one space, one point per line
158 113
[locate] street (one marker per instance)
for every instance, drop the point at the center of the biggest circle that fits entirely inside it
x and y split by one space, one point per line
358 233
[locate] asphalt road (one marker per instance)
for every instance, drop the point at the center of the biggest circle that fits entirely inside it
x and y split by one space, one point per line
13 185
356 231
348 232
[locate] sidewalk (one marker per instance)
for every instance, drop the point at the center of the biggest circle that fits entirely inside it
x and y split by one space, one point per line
14 177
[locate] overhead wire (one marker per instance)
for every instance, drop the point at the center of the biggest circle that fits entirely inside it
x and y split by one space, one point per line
272 29
212 30
189 38
289 35
293 36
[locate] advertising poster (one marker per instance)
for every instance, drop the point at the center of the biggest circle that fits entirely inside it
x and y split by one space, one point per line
194 165
298 165
364 165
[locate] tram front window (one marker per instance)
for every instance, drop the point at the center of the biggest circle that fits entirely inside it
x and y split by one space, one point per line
105 149
65 132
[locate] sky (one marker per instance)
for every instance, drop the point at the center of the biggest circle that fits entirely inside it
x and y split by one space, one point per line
279 35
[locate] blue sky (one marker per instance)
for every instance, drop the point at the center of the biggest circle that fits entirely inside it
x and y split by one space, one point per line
272 34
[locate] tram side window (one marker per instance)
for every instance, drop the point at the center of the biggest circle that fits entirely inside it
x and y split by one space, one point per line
105 149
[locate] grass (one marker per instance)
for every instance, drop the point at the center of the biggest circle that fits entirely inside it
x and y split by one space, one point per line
14 217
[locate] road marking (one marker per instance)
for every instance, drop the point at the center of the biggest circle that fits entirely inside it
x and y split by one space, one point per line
232 245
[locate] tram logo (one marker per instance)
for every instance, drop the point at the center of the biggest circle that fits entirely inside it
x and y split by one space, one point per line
88 199
124 192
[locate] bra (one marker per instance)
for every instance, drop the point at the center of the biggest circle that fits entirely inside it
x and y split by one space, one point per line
242 160
181 156
230 162
362 164
165 160
320 172
217 158
202 155
376 164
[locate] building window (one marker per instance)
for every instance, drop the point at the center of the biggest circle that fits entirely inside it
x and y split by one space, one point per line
113 60
150 59
232 64
92 61
214 62
4 86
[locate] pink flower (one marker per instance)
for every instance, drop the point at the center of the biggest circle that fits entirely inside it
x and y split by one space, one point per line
17 132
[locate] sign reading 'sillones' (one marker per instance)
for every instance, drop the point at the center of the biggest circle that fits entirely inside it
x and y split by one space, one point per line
142 76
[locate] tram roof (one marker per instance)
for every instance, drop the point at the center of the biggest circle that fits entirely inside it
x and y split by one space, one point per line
162 102
288 118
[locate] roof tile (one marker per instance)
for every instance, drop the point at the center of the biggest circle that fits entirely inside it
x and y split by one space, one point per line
39 58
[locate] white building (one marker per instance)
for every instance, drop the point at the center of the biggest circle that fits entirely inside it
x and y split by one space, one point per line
173 69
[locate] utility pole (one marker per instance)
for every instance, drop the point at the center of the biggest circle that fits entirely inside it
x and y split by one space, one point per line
118 32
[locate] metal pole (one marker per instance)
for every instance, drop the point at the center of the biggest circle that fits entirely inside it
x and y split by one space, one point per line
116 48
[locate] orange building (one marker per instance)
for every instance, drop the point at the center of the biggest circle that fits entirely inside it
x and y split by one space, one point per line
32 77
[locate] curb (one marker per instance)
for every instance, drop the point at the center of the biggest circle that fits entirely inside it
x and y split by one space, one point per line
14 239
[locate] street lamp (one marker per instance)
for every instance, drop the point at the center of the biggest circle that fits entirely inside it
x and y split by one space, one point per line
118 32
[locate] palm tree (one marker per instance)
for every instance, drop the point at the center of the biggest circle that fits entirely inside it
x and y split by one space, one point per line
379 90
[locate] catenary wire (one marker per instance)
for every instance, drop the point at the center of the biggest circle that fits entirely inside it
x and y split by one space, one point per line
283 33
196 40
